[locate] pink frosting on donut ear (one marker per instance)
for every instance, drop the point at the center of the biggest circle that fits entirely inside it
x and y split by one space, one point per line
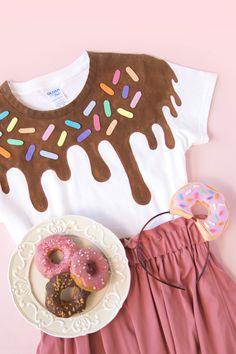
195 194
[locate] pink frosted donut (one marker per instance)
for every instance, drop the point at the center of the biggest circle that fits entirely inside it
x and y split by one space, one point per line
52 244
191 195
89 269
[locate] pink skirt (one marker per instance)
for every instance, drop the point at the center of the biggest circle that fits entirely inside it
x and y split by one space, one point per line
158 318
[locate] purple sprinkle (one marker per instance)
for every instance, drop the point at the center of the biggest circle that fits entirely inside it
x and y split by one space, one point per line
30 152
48 132
83 135
210 197
125 91
182 205
135 99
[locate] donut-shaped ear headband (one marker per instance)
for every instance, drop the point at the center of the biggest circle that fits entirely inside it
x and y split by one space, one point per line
205 205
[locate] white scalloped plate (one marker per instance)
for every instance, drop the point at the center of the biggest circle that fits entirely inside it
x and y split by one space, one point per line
28 285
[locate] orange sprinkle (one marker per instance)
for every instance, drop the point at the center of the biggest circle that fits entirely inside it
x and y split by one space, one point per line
221 223
107 89
217 195
189 200
4 153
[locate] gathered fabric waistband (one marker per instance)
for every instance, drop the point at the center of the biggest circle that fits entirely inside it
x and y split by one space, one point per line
171 236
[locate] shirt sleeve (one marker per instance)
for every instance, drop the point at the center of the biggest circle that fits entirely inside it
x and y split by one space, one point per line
195 89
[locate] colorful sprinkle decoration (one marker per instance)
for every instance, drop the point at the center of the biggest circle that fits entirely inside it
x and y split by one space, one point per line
107 108
111 127
132 74
48 132
15 142
26 130
72 124
116 77
62 138
188 192
125 113
84 135
48 154
107 89
4 114
125 91
135 99
12 124
96 122
89 108
30 152
5 153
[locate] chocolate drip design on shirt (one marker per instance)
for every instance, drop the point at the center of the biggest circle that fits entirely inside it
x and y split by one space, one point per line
128 96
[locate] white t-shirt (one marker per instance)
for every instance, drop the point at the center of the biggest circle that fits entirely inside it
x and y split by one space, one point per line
104 137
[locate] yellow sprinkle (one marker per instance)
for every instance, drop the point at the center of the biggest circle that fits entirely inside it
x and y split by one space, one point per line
26 130
12 124
132 74
125 113
111 127
62 138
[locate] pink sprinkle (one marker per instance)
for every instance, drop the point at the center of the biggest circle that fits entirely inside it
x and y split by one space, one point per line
196 195
96 122
213 230
48 132
116 77
221 212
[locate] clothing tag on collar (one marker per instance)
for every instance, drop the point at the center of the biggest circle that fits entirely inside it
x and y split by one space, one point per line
57 96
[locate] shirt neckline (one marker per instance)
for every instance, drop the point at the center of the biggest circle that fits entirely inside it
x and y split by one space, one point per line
6 91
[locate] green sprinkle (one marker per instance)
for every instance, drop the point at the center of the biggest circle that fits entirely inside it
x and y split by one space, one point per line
107 108
15 142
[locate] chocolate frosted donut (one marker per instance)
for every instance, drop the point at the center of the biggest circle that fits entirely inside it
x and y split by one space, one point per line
59 307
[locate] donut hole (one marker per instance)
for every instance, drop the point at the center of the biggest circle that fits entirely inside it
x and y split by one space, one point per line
69 294
200 211
56 256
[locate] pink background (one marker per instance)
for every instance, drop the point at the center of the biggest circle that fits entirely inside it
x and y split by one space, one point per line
38 37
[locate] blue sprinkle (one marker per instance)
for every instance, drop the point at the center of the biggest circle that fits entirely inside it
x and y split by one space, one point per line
211 191
72 124
84 135
89 108
125 91
4 114
30 152
48 154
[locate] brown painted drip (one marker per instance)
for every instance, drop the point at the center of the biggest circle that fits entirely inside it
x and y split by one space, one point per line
4 183
155 83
